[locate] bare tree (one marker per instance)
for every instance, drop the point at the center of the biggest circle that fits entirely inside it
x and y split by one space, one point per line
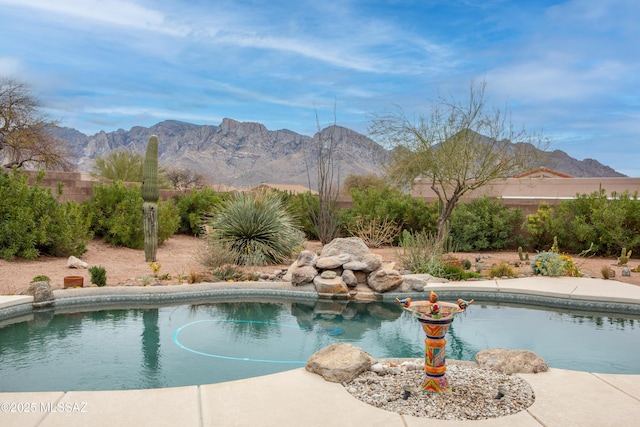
459 147
324 216
25 138
185 179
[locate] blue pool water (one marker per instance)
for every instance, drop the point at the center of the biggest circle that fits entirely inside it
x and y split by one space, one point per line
223 341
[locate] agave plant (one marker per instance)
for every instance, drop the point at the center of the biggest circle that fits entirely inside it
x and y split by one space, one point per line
256 228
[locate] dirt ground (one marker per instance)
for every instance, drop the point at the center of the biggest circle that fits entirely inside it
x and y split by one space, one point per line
178 257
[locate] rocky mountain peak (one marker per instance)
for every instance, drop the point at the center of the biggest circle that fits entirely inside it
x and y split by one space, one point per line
245 154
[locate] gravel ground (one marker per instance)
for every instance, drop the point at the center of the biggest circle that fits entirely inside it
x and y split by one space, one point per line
472 397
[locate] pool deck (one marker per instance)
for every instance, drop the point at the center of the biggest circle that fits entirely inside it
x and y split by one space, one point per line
299 398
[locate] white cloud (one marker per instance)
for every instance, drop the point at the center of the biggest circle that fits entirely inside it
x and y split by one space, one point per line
112 12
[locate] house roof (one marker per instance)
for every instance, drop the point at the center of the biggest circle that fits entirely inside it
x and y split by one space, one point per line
543 172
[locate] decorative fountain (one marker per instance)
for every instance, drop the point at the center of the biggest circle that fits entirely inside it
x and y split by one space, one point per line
435 318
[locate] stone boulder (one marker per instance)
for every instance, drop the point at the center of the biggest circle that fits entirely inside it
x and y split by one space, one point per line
384 280
349 278
353 246
303 275
330 287
306 258
41 293
333 261
339 362
510 362
373 262
73 262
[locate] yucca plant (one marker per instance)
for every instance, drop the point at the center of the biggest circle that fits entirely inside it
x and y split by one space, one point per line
256 228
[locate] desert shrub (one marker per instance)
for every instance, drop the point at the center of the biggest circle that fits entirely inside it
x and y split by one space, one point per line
98 275
34 223
301 208
40 278
502 269
606 272
387 203
455 272
232 273
194 206
375 232
606 222
421 253
484 224
256 228
541 227
554 264
116 215
70 232
216 253
466 264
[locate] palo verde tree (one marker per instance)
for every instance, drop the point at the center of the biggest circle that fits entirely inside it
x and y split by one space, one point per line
459 147
119 165
25 137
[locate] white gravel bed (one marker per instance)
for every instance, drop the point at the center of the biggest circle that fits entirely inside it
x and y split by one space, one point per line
473 395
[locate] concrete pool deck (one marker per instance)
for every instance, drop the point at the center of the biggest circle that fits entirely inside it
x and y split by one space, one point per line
299 398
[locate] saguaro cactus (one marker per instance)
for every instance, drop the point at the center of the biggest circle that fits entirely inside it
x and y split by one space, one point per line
150 195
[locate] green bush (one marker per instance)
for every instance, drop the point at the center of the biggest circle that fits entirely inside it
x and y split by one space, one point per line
484 224
606 222
389 204
301 208
116 215
34 223
98 275
257 229
194 206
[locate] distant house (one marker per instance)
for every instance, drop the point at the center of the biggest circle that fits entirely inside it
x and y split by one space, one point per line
289 188
543 173
542 185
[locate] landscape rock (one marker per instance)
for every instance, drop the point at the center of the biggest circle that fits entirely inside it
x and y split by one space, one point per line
306 257
383 280
339 362
349 245
349 278
334 261
412 283
626 272
328 274
373 262
41 293
302 275
510 362
73 262
355 266
330 288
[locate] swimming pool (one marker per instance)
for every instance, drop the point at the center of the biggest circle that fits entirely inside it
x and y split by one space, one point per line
222 341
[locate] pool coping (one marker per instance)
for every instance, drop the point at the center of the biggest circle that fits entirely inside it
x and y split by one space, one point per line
595 295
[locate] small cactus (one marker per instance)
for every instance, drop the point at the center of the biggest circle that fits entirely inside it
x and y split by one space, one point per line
624 256
524 257
150 195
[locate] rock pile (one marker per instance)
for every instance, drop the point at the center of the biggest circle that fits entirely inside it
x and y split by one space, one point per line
344 267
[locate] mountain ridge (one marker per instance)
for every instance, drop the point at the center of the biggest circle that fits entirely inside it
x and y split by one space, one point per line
245 154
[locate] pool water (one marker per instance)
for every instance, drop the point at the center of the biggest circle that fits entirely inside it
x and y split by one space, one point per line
223 341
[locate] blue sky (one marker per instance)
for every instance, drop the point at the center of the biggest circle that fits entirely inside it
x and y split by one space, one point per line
570 69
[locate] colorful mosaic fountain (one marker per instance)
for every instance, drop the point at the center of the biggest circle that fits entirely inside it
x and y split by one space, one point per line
435 318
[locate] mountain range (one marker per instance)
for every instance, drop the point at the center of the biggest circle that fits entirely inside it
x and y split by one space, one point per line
245 154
